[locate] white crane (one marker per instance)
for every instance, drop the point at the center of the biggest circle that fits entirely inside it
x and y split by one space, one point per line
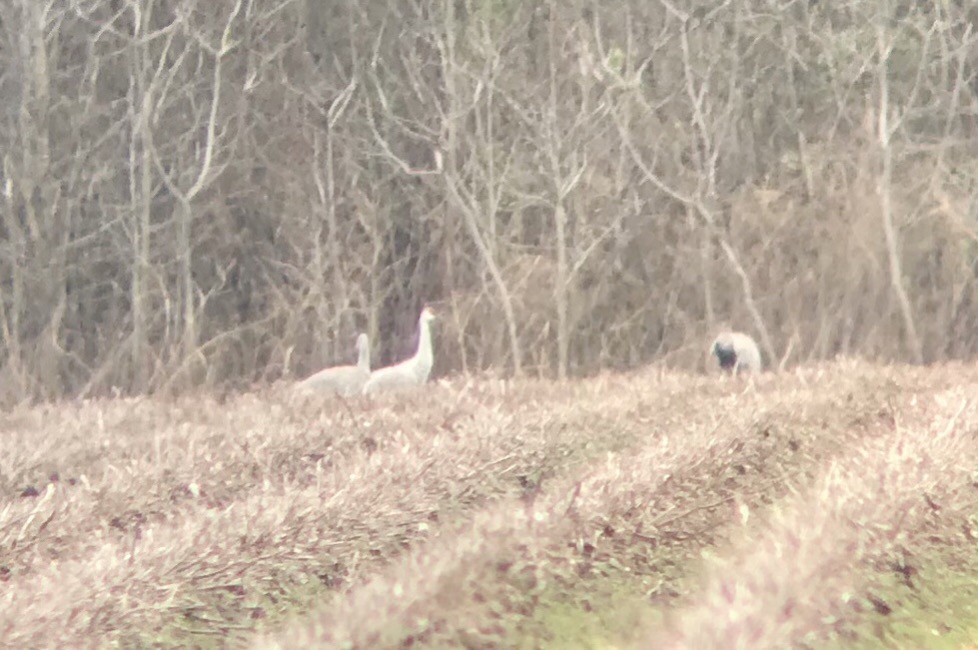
736 352
410 372
342 380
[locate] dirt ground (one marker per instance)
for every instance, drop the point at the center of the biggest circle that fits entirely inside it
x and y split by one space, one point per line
832 506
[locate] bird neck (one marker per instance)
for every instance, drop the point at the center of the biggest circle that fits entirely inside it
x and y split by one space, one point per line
364 360
424 355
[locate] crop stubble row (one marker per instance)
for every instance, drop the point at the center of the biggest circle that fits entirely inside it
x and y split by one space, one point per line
444 590
130 546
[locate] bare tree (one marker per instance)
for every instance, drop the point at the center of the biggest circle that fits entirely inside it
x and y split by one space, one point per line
195 193
886 132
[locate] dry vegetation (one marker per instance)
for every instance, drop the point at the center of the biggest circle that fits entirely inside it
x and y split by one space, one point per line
199 197
656 507
212 194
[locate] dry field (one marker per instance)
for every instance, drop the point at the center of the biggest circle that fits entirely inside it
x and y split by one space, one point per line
835 506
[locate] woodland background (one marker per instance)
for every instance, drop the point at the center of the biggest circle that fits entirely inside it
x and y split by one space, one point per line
216 193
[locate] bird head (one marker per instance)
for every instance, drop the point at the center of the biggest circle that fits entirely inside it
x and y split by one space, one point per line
725 352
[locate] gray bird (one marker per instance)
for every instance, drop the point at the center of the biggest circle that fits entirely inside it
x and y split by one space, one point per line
736 352
410 372
342 380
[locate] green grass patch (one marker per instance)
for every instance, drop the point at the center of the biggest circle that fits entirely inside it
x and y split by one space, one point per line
931 603
611 612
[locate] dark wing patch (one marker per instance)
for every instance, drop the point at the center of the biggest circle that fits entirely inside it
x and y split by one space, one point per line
726 356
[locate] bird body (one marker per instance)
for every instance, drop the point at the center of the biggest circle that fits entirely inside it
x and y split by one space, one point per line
342 380
736 352
410 372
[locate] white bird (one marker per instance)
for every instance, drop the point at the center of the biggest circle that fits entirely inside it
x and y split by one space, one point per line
736 352
410 372
342 380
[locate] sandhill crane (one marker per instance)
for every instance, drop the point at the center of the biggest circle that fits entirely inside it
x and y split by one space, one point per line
736 353
410 372
342 380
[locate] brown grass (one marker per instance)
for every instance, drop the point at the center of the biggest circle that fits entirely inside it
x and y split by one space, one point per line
424 519
785 577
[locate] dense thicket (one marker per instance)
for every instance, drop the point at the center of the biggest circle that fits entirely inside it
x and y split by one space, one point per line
199 192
